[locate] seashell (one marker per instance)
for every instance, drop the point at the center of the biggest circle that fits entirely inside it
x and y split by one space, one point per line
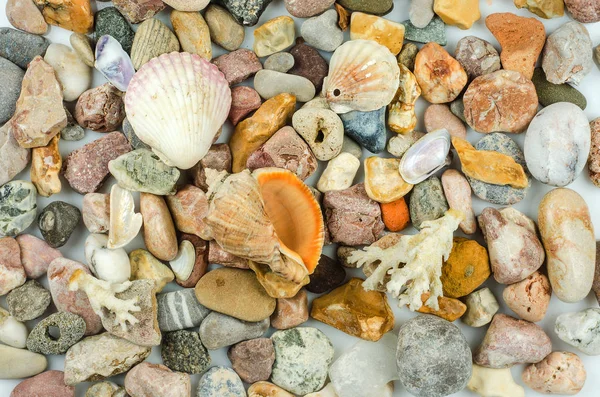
176 104
276 286
125 224
269 217
183 264
427 156
363 75
113 62
104 263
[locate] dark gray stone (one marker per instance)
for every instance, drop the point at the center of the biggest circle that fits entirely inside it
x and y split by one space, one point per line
328 274
246 12
111 22
73 131
457 107
70 326
219 330
367 128
220 382
21 47
377 7
11 77
183 351
133 139
179 310
28 301
433 357
435 31
427 202
57 221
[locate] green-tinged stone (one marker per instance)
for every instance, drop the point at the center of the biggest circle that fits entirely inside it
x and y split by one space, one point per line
435 31
28 301
142 171
17 207
457 107
183 351
407 55
70 326
549 93
427 202
110 21
377 7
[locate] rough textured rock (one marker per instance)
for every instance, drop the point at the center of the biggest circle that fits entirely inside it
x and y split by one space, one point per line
74 15
252 359
220 381
244 100
238 65
14 157
11 268
142 170
322 129
466 269
248 12
568 54
529 298
137 11
580 330
100 109
57 222
153 38
109 21
440 76
19 195
46 163
12 76
558 373
427 202
584 11
328 274
28 301
183 351
434 32
71 328
21 47
481 307
217 158
380 7
151 380
47 384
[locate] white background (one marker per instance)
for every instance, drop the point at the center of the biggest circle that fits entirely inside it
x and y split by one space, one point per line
589 87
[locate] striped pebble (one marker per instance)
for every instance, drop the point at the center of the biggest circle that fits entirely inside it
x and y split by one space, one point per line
179 310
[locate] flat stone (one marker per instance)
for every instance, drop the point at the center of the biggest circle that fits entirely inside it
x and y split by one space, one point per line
155 380
188 208
137 11
14 158
549 93
224 29
219 330
21 47
322 32
100 109
87 167
366 128
76 16
309 63
183 351
101 356
580 330
270 83
568 54
13 273
12 76
179 310
252 359
220 381
109 21
152 38
20 363
435 32
28 301
244 100
481 307
247 13
70 326
24 15
57 222
141 170
238 65
48 384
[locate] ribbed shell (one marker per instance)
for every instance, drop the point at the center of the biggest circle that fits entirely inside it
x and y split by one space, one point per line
176 104
363 75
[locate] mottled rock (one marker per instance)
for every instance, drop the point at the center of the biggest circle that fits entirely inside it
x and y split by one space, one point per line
378 7
248 12
48 384
322 129
11 268
388 33
100 109
20 196
407 55
109 21
594 157
434 32
322 32
188 208
74 15
481 307
366 128
21 48
529 298
238 65
46 163
477 56
290 312
192 31
183 351
142 170
427 202
224 29
71 329
179 310
252 359
244 100
154 380
549 93
20 363
145 266
28 301
217 158
580 330
440 76
220 381
105 389
24 15
96 212
218 330
153 38
309 63
567 54
57 222
307 8
584 11
137 11
558 373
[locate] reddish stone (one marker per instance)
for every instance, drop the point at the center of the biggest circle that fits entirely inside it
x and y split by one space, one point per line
12 274
309 63
188 208
290 312
137 11
36 255
201 263
218 158
86 168
238 65
217 255
253 359
244 100
100 109
153 380
47 384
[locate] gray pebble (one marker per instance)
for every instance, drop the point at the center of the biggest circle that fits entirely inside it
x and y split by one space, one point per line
580 330
220 382
427 202
280 62
70 326
17 207
111 22
131 136
11 77
179 310
269 83
183 351
21 47
57 221
323 32
219 330
367 128
73 131
349 146
457 107
435 31
28 301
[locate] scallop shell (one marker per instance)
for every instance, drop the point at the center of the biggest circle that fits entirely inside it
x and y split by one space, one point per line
176 104
125 224
106 264
427 156
184 262
363 75
269 217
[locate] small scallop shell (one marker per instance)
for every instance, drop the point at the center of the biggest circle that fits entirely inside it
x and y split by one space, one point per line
176 103
427 156
184 262
106 264
363 75
125 224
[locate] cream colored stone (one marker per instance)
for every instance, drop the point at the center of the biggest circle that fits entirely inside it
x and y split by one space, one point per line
146 266
491 382
340 173
274 35
193 33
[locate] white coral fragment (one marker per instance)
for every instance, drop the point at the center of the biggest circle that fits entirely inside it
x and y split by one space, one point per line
423 255
101 295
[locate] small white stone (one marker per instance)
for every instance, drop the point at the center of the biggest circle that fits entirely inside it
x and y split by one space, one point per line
421 12
12 332
107 264
339 174
491 382
481 307
74 75
20 363
580 330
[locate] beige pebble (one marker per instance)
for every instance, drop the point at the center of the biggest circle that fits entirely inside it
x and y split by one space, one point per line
274 35
81 45
159 231
558 373
383 181
491 382
399 144
224 30
438 117
193 33
481 307
458 194
340 173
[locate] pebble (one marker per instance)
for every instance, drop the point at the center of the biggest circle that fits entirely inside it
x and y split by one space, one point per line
106 264
351 147
20 363
395 215
529 298
558 373
436 366
383 31
457 107
180 309
244 100
568 235
252 360
302 359
13 273
57 222
47 384
421 13
100 109
14 158
86 168
290 312
105 389
267 389
339 174
462 15
438 117
152 38
72 73
219 330
549 93
270 83
75 16
273 36
515 250
280 62
596 283
307 8
499 194
543 8
594 157
580 330
46 164
220 381
367 128
309 63
141 170
145 266
193 33
12 76
183 351
323 32
434 32
285 149
12 332
24 15
458 194
322 129
188 207
137 11
109 21
407 55
383 182
28 301
39 113
247 13
466 268
481 308
72 131
583 11
352 218
427 202
17 196
217 158
155 380
20 47
436 86
188 5
101 356
568 54
521 39
328 274
224 30
491 382
563 125
159 230
377 7
96 212
400 143
218 255
70 326
36 255
81 45
235 292
76 302
477 56
509 341
238 65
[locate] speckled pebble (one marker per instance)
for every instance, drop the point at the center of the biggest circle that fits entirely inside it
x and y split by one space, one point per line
322 129
111 22
183 351
238 65
435 31
72 131
427 202
28 301
252 359
70 326
57 222
407 55
21 47
280 62
220 382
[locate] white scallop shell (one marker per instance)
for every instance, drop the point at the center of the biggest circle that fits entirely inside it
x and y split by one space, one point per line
125 224
176 103
427 156
106 264
184 262
363 75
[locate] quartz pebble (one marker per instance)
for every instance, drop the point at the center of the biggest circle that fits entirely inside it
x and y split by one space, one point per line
509 341
178 310
322 129
309 63
12 76
24 15
152 38
47 384
57 222
20 47
438 117
70 326
584 11
366 128
220 381
322 32
12 332
72 73
458 194
339 174
224 30
100 109
219 330
154 380
29 301
558 373
290 312
580 330
96 212
383 31
193 33
462 15
427 202
434 32
11 268
492 382
436 86
20 363
109 21
549 93
137 11
21 196
481 308
252 359
145 266
270 83
477 56
183 351
567 54
36 255
421 12
383 182
273 36
280 62
529 298
244 100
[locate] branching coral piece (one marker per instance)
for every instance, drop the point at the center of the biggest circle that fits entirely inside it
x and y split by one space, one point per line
101 295
423 255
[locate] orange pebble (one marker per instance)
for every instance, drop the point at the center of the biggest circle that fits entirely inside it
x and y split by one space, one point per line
395 215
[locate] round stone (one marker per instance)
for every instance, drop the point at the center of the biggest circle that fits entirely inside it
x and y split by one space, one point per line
71 329
57 221
28 301
252 359
270 83
224 30
439 117
280 62
183 351
568 54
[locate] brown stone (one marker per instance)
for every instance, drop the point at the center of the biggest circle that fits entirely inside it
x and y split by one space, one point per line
309 63
39 113
218 158
137 11
529 298
594 158
450 309
201 262
159 231
47 384
155 380
217 255
244 100
11 268
24 15
351 309
328 274
46 163
438 117
584 11
36 255
467 267
290 312
252 359
193 34
238 65
74 15
522 40
100 109
96 212
188 208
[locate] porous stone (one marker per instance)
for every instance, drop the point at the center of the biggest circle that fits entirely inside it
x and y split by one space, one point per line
466 268
145 266
440 76
71 328
567 54
434 32
100 109
188 207
12 76
477 56
270 83
244 100
11 268
252 359
48 384
558 373
154 380
273 36
153 38
323 32
224 29
439 117
529 298
17 196
57 222
20 47
280 62
549 93
309 63
481 307
290 312
193 33
183 351
109 21
366 128
178 310
238 65
322 129
14 157
220 381
28 301
427 202
580 330
584 11
219 330
137 11
74 15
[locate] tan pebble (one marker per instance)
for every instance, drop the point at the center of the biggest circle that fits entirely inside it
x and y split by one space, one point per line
188 208
96 212
402 118
450 309
224 30
543 8
399 144
558 373
481 307
322 129
290 312
153 38
438 117
340 173
458 194
24 15
46 163
383 31
383 181
193 33
274 36
491 382
267 389
81 45
159 231
146 266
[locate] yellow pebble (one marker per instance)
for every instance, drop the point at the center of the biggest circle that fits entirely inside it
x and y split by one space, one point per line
461 13
383 31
